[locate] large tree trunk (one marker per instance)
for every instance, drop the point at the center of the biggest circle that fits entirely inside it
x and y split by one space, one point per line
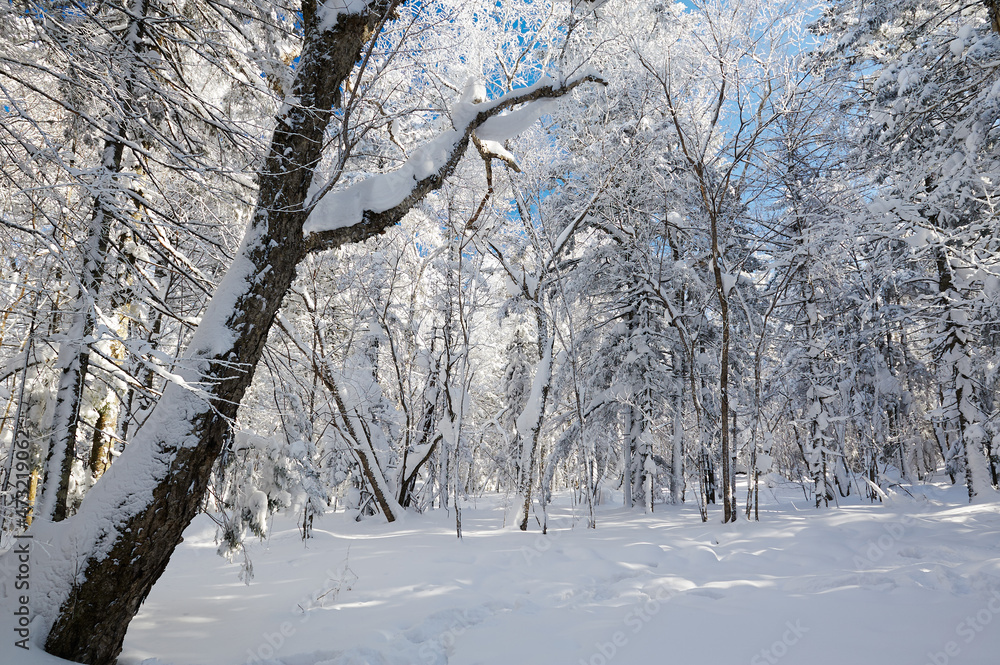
157 485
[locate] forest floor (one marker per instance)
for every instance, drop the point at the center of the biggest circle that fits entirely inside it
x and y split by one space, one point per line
914 580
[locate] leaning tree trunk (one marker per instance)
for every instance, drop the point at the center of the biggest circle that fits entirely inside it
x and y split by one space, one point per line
157 485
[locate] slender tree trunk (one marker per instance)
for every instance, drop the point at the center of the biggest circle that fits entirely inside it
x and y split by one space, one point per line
628 453
529 423
358 434
100 448
138 400
677 448
729 513
74 353
20 438
409 470
962 408
732 465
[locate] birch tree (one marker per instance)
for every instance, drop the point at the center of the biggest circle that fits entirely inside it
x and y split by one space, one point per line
127 64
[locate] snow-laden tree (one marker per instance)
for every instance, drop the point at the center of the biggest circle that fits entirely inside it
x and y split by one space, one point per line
413 292
808 244
925 74
113 122
720 79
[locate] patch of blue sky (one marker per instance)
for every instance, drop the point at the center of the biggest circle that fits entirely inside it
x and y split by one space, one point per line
66 11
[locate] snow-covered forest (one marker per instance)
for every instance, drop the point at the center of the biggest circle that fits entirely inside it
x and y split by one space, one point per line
644 279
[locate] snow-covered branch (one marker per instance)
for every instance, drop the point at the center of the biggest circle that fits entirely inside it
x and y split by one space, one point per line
371 206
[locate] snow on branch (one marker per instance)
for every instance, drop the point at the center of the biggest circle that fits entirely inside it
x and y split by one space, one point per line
371 206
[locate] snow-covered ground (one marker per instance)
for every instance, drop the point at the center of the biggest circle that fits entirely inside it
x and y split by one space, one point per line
913 581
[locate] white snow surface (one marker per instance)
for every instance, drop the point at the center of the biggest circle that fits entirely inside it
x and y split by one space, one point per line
378 193
902 582
508 125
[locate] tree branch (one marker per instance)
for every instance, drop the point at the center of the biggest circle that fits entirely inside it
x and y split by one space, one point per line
368 208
